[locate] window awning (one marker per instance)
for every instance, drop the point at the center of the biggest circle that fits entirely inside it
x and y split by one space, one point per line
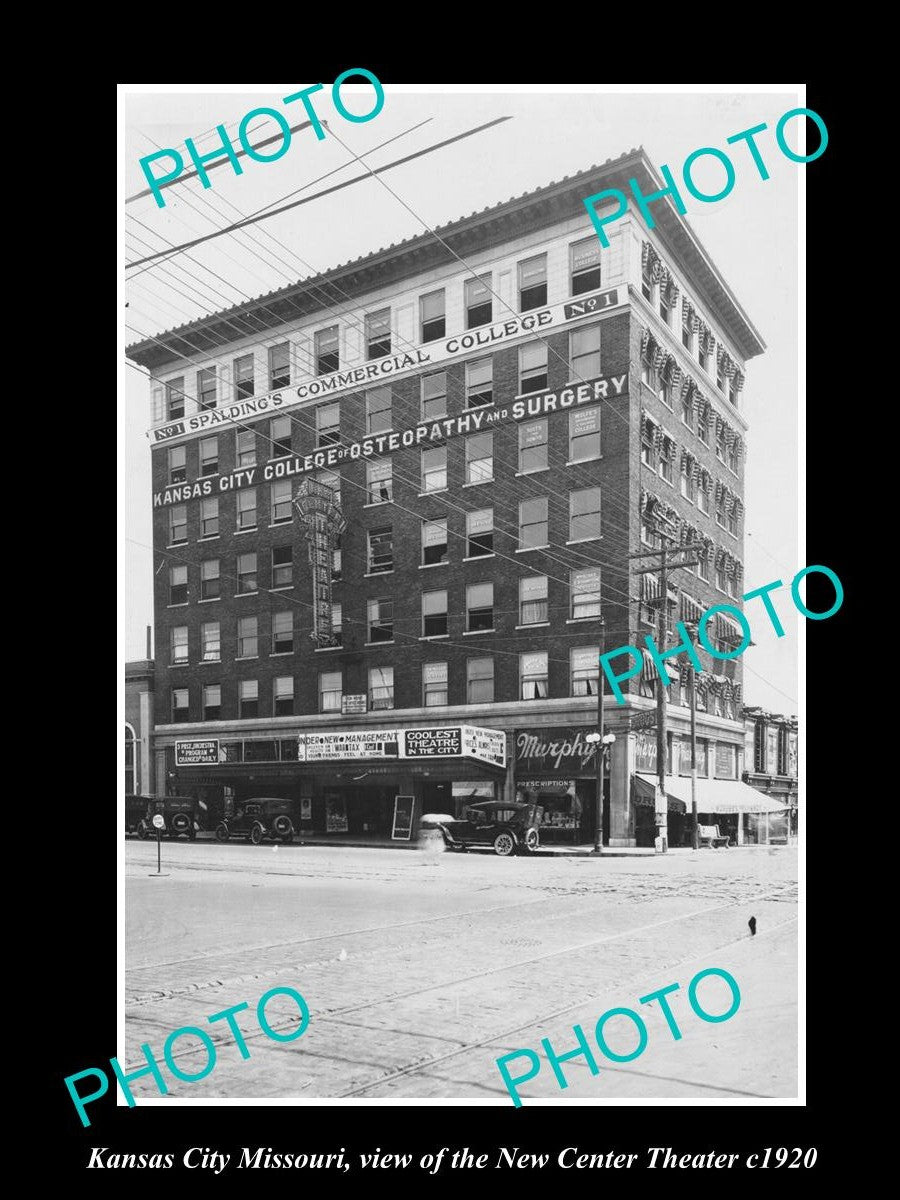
645 794
722 796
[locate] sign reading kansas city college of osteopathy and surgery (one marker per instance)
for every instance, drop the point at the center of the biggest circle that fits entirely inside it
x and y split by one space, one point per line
445 350
455 741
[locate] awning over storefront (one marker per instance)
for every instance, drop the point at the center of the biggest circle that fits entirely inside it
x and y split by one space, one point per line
645 794
717 795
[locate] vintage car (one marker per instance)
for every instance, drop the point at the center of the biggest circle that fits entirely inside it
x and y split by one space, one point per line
181 814
257 818
508 828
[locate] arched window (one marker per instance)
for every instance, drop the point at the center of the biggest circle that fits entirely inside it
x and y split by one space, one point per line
131 787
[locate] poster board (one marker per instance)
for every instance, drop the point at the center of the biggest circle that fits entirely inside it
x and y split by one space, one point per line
404 807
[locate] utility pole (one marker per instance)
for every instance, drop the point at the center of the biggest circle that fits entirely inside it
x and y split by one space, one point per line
695 828
662 818
601 690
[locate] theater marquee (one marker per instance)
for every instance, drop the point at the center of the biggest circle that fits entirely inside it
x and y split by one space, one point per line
439 741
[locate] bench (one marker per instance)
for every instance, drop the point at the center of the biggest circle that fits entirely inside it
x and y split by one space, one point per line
710 836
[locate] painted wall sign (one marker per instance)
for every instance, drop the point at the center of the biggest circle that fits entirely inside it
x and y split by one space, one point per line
562 748
392 365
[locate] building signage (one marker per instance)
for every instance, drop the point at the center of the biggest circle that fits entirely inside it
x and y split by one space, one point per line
541 751
645 752
486 745
335 814
643 720
601 387
197 753
725 768
392 365
318 504
403 817
353 704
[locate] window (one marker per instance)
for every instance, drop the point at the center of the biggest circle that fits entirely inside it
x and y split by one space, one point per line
283 696
209 517
783 767
381 620
647 444
664 466
687 410
648 375
759 747
732 520
647 282
434 614
175 398
283 632
206 388
245 448
434 542
379 482
720 509
381 550
720 374
246 508
584 434
703 566
209 456
248 637
280 435
479 382
431 311
721 582
703 429
177 464
434 469
178 644
280 501
720 441
584 587
326 350
246 574
178 586
210 584
532 367
687 333
243 377
585 671
584 352
212 701
177 524
378 333
381 688
480 458
665 310
733 456
703 497
328 424
532 282
480 533
210 642
180 706
434 684
337 623
331 686
248 698
478 300
336 573
649 535
378 409
688 488
533 608
584 514
664 392
703 355
279 366
434 395
533 522
282 566
480 681
534 683
584 263
479 606
533 446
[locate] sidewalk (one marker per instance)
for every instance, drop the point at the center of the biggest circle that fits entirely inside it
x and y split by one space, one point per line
385 843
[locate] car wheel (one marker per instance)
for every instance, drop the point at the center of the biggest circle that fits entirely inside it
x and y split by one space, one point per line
282 826
181 823
222 832
256 833
504 844
531 841
142 831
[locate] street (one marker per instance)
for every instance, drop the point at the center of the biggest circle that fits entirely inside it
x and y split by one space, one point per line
420 969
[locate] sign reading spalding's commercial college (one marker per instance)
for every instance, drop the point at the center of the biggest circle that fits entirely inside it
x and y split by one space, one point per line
457 741
389 366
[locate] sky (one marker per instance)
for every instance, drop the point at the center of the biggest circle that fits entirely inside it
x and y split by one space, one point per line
751 235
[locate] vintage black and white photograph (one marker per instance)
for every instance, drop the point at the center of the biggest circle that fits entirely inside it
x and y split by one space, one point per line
463 594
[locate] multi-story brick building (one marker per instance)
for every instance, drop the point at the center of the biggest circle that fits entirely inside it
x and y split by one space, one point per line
771 767
499 408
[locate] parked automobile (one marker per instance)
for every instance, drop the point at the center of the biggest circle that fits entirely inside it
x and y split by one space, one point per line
508 828
181 814
135 811
258 818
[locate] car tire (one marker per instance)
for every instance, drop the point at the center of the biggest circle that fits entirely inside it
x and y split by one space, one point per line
504 844
222 832
531 842
181 823
282 825
142 831
256 833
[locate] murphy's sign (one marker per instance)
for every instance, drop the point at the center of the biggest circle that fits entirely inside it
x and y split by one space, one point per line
559 749
392 365
472 421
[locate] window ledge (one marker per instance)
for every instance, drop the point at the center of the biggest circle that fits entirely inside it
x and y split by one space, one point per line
208 599
247 658
387 643
423 420
581 620
536 471
577 462
238 594
211 475
281 653
180 604
477 632
379 503
185 663
479 482
210 537
534 625
528 549
433 637
283 587
433 492
174 545
207 662
249 529
429 566
278 524
578 541
325 650
479 557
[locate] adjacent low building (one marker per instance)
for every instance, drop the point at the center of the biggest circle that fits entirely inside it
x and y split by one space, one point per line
771 758
140 767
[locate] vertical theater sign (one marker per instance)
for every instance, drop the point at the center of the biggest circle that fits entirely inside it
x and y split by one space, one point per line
319 507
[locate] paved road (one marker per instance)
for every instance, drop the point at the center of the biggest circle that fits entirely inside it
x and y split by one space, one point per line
420 969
